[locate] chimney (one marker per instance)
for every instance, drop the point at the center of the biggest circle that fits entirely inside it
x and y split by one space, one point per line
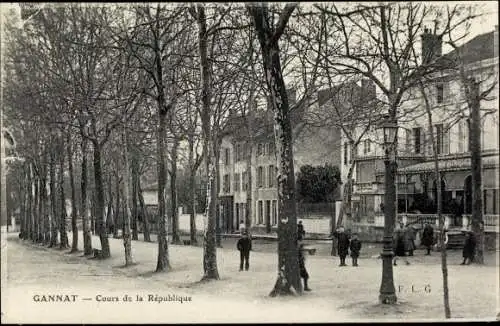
432 46
368 88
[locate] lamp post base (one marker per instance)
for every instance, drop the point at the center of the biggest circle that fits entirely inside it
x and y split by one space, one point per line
387 298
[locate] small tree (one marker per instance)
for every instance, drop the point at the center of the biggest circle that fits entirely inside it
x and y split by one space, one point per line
316 184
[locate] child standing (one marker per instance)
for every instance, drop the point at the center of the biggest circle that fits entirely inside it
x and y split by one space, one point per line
244 245
302 266
355 247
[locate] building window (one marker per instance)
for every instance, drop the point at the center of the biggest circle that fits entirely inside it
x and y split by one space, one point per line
226 185
346 149
442 139
271 176
260 149
461 137
408 140
272 149
417 140
236 182
439 93
274 216
226 156
260 212
237 153
260 177
244 181
367 146
268 212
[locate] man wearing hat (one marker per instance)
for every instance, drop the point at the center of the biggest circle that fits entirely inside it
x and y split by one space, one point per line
302 265
244 246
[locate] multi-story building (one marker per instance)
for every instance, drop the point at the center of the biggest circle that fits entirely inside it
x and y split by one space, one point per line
313 144
416 184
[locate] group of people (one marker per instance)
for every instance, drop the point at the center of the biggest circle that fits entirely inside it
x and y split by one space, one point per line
403 245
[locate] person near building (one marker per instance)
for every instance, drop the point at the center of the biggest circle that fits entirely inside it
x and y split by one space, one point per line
428 238
242 227
342 244
399 244
469 248
244 245
301 233
409 239
355 247
302 266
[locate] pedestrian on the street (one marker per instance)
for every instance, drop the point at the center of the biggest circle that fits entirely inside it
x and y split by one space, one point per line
355 247
301 233
428 238
302 266
244 245
409 239
469 248
242 227
342 244
399 244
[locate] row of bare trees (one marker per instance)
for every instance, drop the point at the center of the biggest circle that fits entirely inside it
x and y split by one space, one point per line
127 87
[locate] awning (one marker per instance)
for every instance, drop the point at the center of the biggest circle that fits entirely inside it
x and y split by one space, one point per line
456 164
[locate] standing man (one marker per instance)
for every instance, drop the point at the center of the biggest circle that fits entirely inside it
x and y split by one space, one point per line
428 238
409 238
342 244
469 248
301 233
244 246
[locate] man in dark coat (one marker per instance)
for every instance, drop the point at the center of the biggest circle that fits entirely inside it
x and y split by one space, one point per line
300 231
302 266
469 248
355 247
342 244
244 245
409 238
399 244
428 238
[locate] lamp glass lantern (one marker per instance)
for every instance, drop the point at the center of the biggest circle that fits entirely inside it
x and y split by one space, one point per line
390 130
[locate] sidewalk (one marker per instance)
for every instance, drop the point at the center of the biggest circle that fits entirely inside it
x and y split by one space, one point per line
339 293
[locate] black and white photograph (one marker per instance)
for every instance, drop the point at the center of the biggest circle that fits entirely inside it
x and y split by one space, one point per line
249 162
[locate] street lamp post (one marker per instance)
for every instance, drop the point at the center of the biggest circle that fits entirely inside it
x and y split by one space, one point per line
387 291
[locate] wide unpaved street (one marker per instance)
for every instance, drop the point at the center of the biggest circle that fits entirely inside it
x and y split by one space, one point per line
339 293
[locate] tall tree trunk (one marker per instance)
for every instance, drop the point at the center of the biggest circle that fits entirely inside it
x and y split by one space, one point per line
439 200
476 173
36 212
209 242
117 211
99 194
109 212
288 264
127 240
163 262
173 192
249 148
145 217
87 238
192 192
74 207
62 221
29 211
53 201
22 206
135 210
45 208
220 225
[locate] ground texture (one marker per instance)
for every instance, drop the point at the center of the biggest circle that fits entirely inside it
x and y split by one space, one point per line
339 293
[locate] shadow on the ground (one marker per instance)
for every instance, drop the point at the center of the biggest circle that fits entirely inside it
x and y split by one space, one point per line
376 309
